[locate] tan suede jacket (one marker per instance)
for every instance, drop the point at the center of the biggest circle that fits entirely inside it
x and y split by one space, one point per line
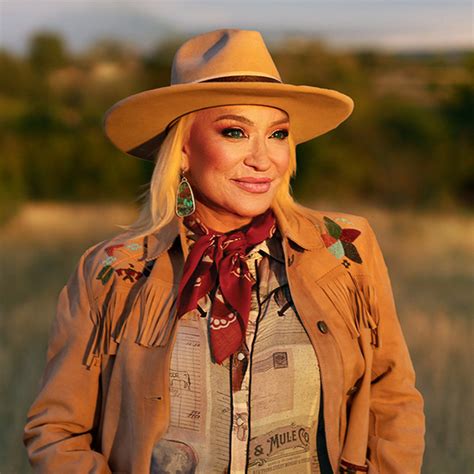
105 400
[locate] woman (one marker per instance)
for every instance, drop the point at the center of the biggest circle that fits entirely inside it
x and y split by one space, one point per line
229 329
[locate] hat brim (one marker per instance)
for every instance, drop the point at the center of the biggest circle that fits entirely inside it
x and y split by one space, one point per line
136 124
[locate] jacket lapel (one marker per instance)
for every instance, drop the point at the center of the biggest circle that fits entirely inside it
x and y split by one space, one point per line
305 264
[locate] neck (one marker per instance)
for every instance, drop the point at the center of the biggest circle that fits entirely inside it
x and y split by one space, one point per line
220 221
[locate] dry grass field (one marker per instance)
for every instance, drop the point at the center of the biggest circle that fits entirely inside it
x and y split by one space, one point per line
430 259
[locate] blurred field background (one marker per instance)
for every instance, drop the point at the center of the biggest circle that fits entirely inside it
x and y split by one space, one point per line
408 143
404 159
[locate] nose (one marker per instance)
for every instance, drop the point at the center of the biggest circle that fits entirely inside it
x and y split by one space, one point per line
258 157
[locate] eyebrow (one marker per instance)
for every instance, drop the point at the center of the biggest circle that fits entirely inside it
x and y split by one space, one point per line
245 120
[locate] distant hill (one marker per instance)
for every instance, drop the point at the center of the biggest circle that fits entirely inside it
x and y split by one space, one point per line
81 27
143 25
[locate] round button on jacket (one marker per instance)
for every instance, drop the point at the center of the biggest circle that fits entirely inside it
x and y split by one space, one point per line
322 326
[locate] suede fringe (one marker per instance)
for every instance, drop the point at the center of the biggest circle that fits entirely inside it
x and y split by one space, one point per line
111 319
356 301
155 329
109 327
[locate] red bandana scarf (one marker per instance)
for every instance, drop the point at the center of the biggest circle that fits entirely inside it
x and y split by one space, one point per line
216 266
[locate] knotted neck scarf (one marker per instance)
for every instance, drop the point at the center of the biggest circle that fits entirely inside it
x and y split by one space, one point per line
216 267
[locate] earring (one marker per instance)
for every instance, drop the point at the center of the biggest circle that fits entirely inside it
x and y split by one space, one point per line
185 204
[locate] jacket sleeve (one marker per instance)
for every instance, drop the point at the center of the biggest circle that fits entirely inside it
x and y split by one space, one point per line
61 421
397 423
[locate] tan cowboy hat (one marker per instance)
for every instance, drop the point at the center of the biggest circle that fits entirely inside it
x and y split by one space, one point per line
221 67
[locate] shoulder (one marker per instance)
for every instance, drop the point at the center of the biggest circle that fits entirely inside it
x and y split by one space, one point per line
348 237
119 261
323 219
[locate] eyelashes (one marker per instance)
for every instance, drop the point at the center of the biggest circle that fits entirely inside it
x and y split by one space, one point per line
235 132
283 133
232 132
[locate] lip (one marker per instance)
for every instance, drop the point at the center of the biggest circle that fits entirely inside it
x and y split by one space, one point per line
254 185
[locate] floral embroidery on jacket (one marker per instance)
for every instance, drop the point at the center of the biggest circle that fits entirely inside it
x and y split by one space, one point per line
105 273
133 246
127 273
339 241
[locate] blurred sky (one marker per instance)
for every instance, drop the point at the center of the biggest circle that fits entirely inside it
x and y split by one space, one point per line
386 24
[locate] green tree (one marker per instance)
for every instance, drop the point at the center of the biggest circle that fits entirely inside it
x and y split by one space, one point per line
47 52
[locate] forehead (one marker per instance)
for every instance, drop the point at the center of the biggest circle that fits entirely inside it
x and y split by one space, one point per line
249 111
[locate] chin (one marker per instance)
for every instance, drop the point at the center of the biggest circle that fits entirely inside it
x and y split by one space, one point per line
251 210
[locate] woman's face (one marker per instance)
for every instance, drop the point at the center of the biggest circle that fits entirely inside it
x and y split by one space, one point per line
235 158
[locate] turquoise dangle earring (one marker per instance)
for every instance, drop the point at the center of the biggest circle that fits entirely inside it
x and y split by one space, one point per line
185 204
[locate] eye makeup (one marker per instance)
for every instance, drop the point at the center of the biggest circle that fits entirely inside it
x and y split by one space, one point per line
236 132
227 131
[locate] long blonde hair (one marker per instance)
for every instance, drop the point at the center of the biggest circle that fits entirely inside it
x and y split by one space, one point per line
158 208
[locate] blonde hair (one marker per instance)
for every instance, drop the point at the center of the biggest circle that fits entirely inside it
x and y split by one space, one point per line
158 208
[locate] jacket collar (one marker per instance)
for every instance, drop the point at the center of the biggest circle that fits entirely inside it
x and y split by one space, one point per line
297 227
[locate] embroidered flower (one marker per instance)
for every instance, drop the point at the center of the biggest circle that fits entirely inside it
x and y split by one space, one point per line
108 261
134 246
127 273
342 219
105 273
339 241
111 249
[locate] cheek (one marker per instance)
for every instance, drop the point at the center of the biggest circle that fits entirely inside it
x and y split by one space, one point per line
282 162
214 161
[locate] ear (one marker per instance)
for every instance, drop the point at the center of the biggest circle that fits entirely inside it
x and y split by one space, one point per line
184 161
185 156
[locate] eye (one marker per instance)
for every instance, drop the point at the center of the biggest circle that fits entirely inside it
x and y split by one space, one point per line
280 134
233 132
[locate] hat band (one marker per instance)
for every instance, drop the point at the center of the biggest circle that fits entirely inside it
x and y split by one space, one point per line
242 79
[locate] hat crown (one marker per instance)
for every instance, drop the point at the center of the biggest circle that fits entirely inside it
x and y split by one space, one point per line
223 53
